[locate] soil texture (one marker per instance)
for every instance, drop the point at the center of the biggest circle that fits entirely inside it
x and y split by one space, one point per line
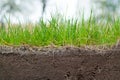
64 63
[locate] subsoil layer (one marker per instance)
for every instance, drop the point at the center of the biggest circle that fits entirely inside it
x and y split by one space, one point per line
65 63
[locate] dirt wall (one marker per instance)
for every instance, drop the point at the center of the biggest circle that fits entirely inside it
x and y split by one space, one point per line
66 63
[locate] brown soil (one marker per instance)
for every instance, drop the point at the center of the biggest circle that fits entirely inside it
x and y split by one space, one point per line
65 63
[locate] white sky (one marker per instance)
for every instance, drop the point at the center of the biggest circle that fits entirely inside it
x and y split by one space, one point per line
68 8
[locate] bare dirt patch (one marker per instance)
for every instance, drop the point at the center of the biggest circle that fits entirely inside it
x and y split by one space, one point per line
65 63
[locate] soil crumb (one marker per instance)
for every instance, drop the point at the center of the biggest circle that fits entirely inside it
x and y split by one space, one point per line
64 63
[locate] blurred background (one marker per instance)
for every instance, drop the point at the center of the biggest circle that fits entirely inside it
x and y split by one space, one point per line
33 10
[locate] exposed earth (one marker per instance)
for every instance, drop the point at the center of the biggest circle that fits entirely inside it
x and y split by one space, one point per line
63 63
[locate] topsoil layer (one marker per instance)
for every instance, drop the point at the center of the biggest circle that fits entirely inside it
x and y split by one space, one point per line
65 63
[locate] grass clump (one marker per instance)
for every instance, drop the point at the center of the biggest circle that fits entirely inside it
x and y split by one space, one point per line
60 32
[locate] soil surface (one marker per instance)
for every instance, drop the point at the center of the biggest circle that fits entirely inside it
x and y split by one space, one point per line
64 63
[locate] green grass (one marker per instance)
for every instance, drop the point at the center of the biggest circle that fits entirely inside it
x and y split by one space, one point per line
61 32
